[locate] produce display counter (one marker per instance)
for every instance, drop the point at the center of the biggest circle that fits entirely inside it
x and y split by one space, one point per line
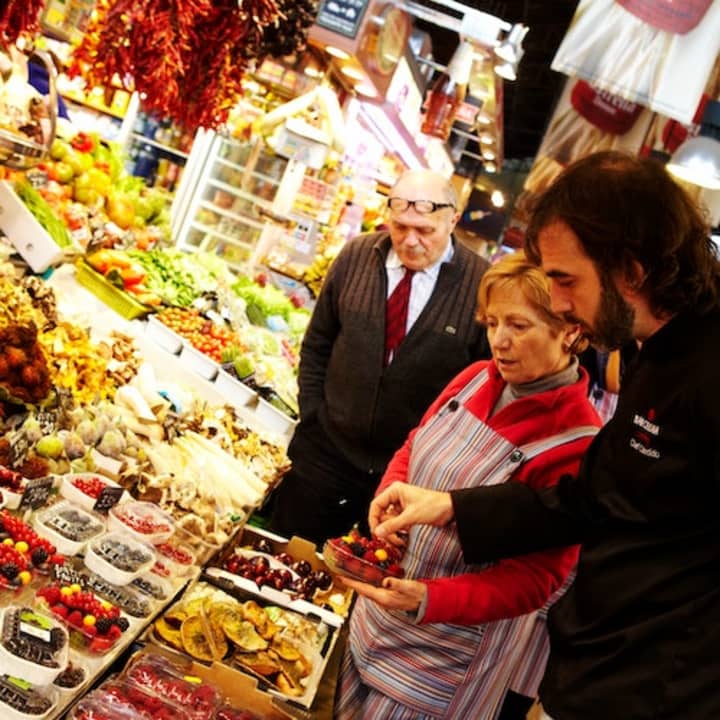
237 600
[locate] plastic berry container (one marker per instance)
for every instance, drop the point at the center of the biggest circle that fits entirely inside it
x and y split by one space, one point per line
159 675
72 677
145 702
28 634
144 521
341 560
20 700
68 526
153 586
178 558
119 558
72 486
97 706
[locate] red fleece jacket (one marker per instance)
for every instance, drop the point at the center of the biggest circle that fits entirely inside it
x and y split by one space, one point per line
518 585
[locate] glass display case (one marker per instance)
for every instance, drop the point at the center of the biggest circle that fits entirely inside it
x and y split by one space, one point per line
226 196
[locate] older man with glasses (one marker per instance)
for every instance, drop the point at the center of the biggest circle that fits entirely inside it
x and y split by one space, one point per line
394 322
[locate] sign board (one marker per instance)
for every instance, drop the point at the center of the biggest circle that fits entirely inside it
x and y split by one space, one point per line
341 16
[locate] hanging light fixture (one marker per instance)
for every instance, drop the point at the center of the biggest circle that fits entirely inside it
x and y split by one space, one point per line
697 160
510 49
510 52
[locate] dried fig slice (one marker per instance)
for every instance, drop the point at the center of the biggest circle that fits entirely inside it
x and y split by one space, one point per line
201 643
168 633
256 615
243 634
285 650
259 662
287 685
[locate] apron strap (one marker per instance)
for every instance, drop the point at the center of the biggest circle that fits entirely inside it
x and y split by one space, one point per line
538 447
468 391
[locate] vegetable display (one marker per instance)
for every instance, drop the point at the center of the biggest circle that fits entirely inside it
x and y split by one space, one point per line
187 58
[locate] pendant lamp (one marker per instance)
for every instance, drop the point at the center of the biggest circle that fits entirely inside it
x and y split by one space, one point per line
697 160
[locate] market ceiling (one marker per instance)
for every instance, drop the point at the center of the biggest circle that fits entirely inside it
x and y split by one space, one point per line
529 100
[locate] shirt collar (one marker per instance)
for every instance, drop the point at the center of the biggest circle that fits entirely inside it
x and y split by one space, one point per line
392 261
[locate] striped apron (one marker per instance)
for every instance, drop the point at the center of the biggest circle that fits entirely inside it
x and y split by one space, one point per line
442 670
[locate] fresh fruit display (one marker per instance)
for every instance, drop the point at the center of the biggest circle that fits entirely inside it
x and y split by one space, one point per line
121 271
23 551
203 334
368 559
175 556
95 625
24 371
32 646
156 673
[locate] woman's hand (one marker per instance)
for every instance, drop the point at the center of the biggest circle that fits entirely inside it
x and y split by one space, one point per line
401 506
395 594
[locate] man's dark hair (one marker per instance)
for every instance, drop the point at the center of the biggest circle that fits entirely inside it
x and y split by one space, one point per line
625 209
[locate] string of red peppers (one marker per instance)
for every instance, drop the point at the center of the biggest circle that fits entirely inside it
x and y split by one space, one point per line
186 58
18 18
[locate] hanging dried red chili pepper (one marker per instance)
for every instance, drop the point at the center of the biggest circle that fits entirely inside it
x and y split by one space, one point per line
18 18
185 58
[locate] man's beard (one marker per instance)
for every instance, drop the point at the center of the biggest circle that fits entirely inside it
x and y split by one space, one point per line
613 326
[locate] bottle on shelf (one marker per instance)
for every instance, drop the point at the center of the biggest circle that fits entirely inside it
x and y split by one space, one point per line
448 93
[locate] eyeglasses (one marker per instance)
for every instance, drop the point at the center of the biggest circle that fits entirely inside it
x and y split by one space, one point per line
424 207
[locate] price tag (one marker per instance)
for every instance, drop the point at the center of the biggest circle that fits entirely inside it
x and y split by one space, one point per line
109 497
66 575
19 448
36 493
47 420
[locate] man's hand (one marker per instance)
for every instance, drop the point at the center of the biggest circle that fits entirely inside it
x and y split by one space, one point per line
400 506
395 594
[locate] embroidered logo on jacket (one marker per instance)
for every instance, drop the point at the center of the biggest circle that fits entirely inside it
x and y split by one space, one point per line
645 434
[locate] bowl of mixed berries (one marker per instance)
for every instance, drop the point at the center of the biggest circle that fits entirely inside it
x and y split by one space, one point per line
368 559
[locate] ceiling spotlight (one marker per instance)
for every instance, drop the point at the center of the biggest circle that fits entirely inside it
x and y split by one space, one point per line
490 167
497 198
507 70
488 155
510 49
483 119
313 72
487 139
336 52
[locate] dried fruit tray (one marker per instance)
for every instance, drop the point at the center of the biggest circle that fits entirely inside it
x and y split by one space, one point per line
114 297
237 629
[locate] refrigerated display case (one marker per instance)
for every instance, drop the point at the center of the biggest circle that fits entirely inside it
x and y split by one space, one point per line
225 197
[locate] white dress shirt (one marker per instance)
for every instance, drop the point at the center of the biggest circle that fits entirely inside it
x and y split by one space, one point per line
423 282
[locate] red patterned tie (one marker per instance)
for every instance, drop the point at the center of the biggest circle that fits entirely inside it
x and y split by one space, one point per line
396 312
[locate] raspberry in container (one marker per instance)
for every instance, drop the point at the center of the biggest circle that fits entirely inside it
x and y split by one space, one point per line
158 674
145 521
146 703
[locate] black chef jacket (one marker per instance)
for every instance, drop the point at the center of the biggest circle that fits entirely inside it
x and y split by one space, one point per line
638 634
